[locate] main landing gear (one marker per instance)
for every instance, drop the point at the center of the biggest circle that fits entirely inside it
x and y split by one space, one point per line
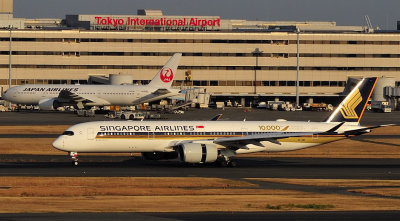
224 161
74 157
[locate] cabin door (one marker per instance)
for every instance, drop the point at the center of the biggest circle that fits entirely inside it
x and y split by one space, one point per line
90 134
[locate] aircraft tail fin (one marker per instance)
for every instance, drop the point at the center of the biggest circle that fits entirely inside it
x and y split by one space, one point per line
351 109
165 76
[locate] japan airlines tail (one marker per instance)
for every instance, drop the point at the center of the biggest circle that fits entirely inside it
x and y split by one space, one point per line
217 141
49 97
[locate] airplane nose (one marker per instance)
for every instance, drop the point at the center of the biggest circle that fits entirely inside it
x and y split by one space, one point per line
59 143
4 95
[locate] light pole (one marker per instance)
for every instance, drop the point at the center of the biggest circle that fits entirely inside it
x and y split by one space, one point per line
298 68
256 53
10 64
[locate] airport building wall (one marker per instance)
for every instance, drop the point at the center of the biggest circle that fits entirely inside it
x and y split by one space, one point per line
221 61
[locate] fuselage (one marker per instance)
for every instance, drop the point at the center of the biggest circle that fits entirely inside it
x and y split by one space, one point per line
162 136
100 94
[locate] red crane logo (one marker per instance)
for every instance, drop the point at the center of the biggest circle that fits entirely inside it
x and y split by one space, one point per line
166 75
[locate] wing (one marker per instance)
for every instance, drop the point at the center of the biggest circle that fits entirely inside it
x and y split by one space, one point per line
158 94
67 97
241 142
256 139
161 91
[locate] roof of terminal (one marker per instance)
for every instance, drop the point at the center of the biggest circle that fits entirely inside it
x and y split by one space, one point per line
155 20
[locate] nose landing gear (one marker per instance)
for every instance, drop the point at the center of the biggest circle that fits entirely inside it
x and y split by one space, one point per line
74 157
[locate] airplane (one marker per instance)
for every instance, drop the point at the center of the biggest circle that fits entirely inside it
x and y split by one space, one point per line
217 141
50 97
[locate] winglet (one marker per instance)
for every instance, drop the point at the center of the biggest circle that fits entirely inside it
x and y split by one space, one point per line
216 117
165 76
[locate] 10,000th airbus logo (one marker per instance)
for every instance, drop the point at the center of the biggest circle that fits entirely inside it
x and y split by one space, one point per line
166 75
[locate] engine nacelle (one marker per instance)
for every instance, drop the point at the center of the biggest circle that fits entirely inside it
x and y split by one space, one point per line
198 153
159 155
48 104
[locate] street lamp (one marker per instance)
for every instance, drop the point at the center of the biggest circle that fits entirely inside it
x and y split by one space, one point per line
256 53
10 64
297 69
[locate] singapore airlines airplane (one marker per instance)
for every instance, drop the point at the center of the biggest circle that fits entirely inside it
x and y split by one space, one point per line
216 141
50 97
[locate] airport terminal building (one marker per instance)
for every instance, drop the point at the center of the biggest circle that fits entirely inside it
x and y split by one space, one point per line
230 58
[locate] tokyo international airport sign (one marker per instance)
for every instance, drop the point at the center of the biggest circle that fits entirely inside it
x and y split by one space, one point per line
202 22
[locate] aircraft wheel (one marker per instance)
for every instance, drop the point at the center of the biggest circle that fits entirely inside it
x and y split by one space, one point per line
233 163
223 163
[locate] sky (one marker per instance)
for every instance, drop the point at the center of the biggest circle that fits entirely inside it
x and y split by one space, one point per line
382 13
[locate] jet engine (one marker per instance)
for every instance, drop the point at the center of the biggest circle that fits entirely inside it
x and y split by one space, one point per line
159 155
48 104
197 153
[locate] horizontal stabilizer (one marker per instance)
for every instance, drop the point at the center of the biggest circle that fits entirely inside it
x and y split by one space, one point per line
365 130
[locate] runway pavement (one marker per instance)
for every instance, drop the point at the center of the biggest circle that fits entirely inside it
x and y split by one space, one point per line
231 216
120 166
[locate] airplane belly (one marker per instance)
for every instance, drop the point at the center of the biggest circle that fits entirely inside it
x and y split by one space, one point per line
289 146
271 147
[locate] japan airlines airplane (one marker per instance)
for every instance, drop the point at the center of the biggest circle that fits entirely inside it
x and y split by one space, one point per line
216 141
49 97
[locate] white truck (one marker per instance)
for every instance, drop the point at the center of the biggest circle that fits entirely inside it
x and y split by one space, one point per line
131 115
381 106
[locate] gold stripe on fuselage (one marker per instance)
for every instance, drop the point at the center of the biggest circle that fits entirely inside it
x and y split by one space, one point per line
162 137
304 139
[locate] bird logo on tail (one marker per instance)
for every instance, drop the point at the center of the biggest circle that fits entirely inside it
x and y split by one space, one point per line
348 109
166 75
352 107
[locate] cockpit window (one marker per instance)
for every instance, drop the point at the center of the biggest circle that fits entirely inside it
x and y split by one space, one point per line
68 133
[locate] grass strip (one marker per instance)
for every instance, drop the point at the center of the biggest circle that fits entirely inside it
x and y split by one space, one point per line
300 206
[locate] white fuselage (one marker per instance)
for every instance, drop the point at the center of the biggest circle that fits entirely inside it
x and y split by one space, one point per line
162 136
100 94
